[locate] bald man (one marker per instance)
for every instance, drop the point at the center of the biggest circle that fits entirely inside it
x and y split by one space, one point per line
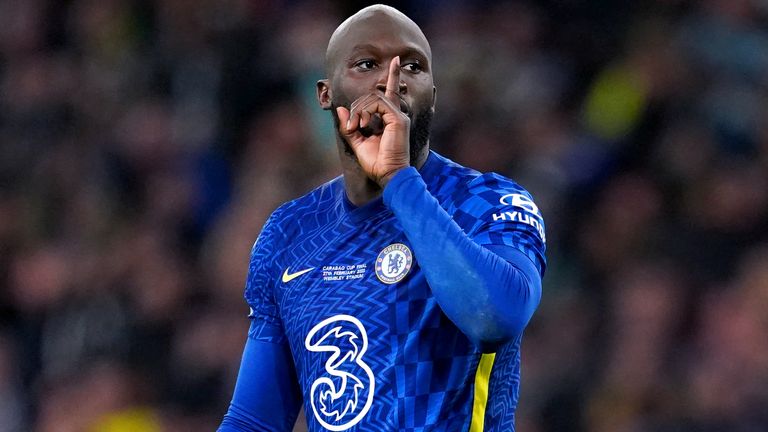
394 297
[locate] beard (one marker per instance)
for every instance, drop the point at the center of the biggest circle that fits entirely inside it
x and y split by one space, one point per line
421 124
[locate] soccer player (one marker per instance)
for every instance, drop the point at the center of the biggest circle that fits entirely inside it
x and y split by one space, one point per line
394 297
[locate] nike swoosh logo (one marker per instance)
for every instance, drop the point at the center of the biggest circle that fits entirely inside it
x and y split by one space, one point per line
289 277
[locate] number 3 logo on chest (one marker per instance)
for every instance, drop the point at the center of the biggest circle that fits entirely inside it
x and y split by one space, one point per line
343 396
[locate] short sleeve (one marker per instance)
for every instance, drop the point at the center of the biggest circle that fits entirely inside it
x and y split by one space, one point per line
266 323
494 210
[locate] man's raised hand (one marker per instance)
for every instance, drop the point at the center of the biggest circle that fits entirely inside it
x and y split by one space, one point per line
384 152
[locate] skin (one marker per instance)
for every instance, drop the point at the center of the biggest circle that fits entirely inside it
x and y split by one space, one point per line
381 93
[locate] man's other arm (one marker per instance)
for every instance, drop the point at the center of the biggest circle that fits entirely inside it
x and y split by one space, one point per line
267 395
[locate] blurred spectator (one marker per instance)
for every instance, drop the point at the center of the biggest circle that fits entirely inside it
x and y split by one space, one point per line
143 143
12 405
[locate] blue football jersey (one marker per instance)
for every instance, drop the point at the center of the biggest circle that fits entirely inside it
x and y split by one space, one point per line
371 347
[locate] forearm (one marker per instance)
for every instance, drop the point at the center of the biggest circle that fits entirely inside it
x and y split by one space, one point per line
489 297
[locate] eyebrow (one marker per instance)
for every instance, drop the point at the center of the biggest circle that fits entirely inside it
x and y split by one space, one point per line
408 51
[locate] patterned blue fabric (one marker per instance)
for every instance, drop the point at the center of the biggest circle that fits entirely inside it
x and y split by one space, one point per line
372 355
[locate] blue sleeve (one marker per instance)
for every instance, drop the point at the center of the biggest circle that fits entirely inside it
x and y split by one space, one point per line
489 292
267 395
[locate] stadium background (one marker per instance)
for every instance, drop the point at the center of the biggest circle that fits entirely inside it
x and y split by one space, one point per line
143 143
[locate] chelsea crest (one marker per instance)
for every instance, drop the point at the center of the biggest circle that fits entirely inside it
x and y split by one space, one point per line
393 263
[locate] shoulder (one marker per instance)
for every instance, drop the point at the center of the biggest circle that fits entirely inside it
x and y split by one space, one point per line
494 182
286 223
311 206
490 197
461 187
446 179
495 191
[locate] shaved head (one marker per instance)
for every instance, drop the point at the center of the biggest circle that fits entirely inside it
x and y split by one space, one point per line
375 17
357 62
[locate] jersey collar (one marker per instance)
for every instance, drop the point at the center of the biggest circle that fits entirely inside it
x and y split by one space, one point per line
376 206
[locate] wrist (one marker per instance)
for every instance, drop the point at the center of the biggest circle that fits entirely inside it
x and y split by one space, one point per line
401 185
385 179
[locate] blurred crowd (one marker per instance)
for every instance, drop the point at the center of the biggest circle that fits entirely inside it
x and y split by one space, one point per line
144 142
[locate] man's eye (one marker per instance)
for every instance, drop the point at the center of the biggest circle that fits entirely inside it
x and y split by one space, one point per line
412 67
365 64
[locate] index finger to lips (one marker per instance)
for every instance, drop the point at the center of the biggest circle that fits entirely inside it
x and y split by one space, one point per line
393 80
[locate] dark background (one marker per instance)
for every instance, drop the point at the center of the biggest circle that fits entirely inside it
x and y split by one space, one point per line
143 143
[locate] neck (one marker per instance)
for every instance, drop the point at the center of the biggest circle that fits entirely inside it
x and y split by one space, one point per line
359 188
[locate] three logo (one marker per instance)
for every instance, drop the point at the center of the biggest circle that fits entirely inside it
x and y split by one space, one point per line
343 396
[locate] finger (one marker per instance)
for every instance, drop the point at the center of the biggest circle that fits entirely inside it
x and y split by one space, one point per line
353 122
393 80
357 107
379 105
371 115
362 101
376 103
347 124
365 117
343 115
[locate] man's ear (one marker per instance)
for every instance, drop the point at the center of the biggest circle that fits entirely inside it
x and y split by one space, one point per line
324 94
434 98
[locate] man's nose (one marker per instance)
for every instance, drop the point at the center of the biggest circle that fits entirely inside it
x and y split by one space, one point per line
382 86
